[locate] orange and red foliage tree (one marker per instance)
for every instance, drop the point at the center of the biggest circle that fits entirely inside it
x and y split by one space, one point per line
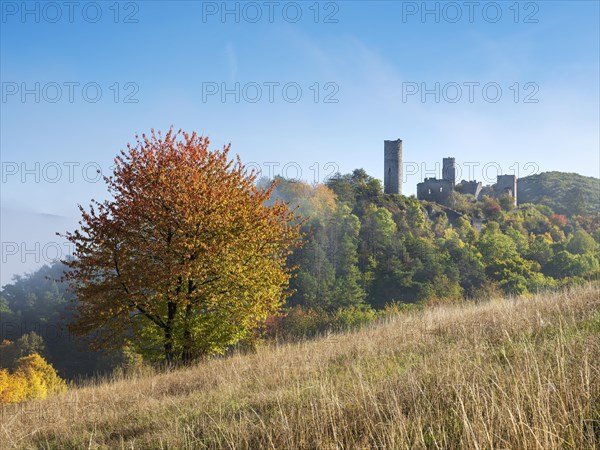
559 220
186 255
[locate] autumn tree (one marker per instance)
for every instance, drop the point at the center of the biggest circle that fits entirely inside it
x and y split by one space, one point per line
186 257
30 377
491 208
41 378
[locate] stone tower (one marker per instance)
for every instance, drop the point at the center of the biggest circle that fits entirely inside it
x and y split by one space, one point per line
507 184
449 170
392 167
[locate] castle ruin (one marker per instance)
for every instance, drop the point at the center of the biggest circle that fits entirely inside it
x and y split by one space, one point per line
439 190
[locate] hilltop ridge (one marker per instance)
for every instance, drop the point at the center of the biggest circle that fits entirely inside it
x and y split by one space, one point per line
564 192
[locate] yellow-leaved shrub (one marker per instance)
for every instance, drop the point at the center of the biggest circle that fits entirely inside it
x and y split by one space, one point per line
33 378
13 387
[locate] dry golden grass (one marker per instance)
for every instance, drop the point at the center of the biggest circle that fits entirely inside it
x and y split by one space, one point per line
504 374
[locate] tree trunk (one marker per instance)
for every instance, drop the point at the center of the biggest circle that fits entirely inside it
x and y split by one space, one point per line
169 350
187 355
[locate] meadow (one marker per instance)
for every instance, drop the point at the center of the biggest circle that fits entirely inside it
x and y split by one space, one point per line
497 374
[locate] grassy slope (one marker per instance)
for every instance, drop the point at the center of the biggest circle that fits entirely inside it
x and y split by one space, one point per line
501 374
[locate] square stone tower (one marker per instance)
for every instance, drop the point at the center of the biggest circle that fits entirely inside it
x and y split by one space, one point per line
449 170
392 167
507 184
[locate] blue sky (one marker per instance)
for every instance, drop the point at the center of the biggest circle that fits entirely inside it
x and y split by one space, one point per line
533 73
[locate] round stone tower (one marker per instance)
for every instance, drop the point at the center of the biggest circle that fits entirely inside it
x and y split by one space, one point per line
392 166
449 170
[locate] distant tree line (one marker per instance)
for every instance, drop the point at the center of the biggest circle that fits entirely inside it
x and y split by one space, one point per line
370 249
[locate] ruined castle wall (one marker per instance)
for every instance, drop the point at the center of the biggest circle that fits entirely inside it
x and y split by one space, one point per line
469 187
434 190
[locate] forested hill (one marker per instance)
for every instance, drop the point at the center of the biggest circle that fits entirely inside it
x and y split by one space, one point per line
565 193
365 252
